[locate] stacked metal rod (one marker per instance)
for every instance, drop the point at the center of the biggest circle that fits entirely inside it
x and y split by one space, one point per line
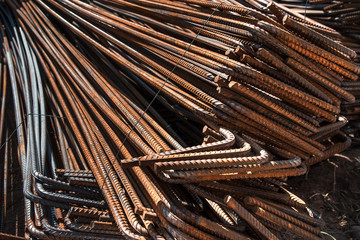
80 130
102 91
341 15
344 17
4 152
286 98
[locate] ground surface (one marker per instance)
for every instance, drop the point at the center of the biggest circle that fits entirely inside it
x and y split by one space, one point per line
332 189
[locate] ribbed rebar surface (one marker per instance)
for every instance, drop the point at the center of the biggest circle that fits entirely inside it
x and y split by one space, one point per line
157 119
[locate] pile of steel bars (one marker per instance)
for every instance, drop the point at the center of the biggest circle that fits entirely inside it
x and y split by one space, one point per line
110 98
272 85
341 15
330 15
344 17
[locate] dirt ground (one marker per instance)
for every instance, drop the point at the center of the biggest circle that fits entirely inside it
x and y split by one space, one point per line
332 189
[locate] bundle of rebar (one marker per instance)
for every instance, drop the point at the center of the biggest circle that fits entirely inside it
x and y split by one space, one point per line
344 17
110 97
341 15
338 20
